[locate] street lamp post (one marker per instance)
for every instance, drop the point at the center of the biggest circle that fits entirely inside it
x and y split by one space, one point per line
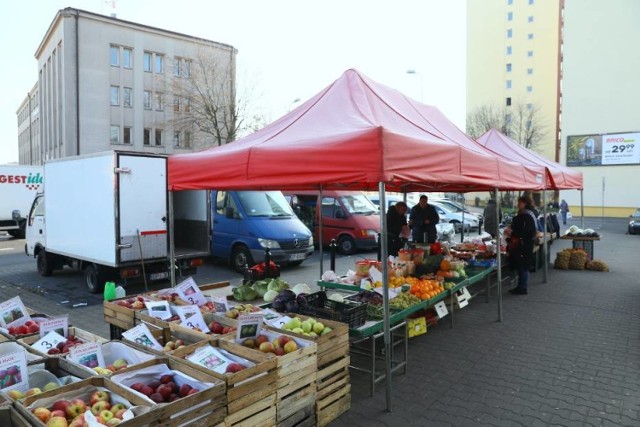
414 72
294 102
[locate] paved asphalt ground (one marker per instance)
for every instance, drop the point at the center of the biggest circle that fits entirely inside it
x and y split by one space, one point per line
566 354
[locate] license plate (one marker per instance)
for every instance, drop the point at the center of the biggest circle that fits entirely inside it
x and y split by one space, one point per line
296 257
158 276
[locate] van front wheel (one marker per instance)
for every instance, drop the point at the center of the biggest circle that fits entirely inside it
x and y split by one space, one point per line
44 264
241 258
346 245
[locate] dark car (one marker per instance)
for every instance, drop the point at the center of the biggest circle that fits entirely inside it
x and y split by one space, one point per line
634 222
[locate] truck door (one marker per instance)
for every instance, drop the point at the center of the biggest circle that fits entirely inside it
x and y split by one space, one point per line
142 194
226 229
36 230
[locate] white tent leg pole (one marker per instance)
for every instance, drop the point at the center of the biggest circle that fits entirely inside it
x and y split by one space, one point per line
385 294
545 270
582 209
499 257
462 229
319 213
172 246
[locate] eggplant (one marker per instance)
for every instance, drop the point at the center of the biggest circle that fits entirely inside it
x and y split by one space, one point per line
292 307
278 305
301 299
286 295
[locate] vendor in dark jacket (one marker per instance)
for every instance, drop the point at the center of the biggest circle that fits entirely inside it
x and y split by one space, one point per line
523 232
423 219
396 220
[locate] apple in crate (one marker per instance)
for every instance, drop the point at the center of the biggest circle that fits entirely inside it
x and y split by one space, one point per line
99 396
43 414
232 368
99 406
76 407
58 422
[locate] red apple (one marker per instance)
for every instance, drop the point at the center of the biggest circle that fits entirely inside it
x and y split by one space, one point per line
43 414
157 397
147 391
58 413
99 396
75 408
164 390
60 405
184 390
154 385
192 391
57 422
261 338
137 386
99 406
166 379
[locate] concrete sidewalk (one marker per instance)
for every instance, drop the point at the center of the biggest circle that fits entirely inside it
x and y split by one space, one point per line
566 354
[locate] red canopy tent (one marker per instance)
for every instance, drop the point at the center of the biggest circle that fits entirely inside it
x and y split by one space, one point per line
559 177
356 134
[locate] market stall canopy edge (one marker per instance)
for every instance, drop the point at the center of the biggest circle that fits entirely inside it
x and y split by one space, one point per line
353 135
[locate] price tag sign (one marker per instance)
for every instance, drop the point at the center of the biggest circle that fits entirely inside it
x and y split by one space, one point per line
392 292
190 292
191 317
441 309
461 299
89 354
210 358
278 322
158 309
58 324
465 293
14 366
142 335
47 342
220 304
13 313
249 326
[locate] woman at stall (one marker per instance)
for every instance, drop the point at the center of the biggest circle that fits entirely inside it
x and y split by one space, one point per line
523 233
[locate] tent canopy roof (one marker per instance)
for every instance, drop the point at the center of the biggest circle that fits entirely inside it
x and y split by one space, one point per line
354 134
558 177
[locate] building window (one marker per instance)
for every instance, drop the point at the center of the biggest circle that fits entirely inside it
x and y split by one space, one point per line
508 84
158 137
508 101
509 33
115 134
187 139
147 62
530 36
147 100
509 68
529 71
509 2
186 105
509 16
530 53
530 19
176 138
176 104
509 50
187 68
159 63
529 88
115 95
127 100
126 137
529 106
114 56
127 58
530 1
147 136
176 67
159 101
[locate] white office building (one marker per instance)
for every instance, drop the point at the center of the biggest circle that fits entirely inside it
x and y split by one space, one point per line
105 83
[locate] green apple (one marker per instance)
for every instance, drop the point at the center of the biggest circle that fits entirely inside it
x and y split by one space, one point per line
306 326
318 328
311 320
297 331
326 330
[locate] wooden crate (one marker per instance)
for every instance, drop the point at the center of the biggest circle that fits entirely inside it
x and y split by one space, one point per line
120 316
81 334
296 381
10 417
165 335
146 419
251 393
206 408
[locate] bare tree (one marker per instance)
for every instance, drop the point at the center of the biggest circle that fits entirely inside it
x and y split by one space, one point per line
205 99
487 117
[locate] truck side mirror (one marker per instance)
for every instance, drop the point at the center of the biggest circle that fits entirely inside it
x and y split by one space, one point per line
229 213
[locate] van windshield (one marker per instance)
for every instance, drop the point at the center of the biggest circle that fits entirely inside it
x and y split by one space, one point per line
264 203
358 204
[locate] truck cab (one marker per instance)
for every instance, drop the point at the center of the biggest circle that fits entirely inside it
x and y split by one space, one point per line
245 223
349 217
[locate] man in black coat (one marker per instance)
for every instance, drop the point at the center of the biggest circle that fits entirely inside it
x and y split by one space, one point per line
423 219
396 220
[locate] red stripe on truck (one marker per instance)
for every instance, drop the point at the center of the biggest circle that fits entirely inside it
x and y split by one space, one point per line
152 232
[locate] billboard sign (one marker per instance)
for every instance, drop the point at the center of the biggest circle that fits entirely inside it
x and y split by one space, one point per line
604 149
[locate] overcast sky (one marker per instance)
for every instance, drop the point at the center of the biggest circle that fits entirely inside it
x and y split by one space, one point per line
289 48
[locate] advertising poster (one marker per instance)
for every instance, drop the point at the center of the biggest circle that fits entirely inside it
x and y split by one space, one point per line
605 149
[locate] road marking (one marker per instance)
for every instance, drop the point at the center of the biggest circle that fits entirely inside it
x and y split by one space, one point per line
6 249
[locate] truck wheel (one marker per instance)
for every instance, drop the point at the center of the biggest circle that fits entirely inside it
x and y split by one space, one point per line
346 245
240 258
93 279
44 264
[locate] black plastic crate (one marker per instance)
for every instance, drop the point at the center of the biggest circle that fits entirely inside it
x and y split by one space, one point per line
350 312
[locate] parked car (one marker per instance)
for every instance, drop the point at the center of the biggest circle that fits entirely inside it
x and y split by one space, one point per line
446 214
457 207
391 200
634 222
347 216
245 223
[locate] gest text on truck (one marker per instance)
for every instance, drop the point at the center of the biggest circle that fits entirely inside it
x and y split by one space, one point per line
18 187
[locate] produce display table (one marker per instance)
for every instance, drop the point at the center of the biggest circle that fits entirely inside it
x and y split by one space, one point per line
581 242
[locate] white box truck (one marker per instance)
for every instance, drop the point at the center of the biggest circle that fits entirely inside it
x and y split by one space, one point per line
110 215
18 188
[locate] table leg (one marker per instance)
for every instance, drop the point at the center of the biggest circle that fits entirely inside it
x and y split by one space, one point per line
373 365
451 303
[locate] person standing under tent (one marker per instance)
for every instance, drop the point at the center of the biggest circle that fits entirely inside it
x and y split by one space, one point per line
423 219
396 221
491 221
564 208
523 233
